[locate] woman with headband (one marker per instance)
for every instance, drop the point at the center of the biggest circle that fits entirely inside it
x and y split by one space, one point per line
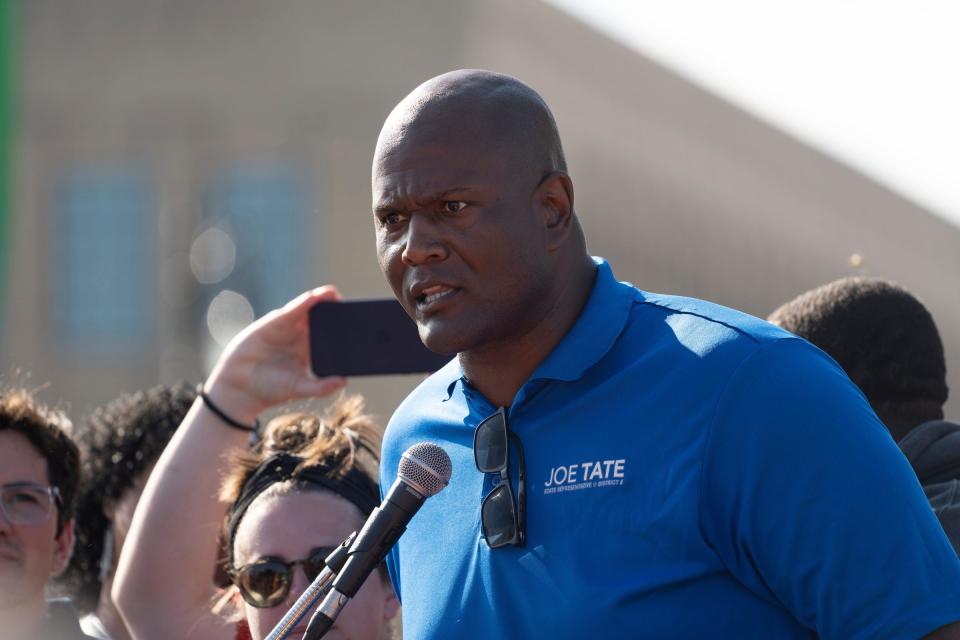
305 487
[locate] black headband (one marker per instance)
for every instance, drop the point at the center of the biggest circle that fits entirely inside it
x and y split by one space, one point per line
354 485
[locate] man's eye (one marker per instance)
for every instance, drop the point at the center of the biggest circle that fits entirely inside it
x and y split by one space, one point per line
390 219
453 206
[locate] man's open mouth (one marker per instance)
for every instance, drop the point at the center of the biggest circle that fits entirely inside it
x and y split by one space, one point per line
434 294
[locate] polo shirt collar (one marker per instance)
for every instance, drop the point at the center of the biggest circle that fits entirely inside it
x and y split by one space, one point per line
452 373
591 337
595 331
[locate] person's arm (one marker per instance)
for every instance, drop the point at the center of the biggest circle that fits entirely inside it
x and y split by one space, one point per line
809 503
163 584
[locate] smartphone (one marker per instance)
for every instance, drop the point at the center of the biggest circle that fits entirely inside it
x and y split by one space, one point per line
367 338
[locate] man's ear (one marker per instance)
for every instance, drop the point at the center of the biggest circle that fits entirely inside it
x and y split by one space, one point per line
555 197
63 548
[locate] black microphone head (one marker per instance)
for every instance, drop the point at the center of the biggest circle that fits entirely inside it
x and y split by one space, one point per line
425 467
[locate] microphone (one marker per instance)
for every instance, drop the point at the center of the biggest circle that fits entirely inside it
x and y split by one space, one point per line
424 470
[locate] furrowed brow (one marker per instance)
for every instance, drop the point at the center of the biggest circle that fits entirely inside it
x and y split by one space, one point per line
388 203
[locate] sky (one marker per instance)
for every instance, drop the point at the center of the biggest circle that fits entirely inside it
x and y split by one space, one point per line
873 83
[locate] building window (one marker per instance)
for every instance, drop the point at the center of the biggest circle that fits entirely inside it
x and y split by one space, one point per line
104 260
252 251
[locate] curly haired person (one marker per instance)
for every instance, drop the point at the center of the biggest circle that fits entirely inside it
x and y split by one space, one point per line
120 443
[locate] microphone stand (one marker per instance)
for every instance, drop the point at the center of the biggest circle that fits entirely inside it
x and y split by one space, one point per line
317 590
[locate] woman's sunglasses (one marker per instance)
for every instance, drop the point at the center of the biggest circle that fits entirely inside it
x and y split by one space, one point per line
266 582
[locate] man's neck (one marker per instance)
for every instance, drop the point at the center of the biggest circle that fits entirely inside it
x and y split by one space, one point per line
499 370
24 619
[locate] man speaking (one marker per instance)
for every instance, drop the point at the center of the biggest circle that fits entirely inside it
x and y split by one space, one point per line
626 464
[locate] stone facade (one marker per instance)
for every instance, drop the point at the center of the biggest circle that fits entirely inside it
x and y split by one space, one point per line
683 192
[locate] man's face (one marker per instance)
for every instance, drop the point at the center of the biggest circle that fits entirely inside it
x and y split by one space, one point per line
30 554
460 242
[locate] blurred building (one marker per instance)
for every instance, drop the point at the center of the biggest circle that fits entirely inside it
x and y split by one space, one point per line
181 166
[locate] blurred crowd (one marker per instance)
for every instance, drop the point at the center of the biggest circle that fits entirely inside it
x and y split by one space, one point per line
238 518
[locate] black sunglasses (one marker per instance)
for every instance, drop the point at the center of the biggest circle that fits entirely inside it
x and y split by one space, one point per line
266 582
502 523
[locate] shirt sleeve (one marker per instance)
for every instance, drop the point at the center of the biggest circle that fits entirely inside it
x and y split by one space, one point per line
807 500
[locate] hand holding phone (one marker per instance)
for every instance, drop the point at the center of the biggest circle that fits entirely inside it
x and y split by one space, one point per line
265 365
367 337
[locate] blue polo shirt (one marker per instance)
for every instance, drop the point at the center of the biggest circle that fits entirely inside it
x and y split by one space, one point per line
692 472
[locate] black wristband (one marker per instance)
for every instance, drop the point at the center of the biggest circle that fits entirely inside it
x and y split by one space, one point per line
217 411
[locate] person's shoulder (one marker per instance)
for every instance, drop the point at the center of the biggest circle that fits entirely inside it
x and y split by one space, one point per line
933 449
64 624
932 432
724 342
696 315
718 336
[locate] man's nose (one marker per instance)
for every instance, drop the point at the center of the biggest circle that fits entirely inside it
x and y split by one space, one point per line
423 242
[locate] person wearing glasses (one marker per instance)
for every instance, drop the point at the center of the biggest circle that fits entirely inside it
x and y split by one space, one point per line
284 504
312 480
625 464
39 472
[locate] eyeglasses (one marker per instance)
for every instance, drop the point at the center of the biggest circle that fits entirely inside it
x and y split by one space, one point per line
266 582
502 523
28 503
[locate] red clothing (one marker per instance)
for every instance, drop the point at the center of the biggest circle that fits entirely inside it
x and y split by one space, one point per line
243 631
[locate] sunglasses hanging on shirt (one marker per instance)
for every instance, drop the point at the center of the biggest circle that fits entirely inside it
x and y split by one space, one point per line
502 517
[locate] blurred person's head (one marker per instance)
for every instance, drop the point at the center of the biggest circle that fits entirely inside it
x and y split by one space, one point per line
473 209
121 442
39 472
310 483
886 341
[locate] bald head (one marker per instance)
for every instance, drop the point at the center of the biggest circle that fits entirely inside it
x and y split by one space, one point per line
473 210
484 111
